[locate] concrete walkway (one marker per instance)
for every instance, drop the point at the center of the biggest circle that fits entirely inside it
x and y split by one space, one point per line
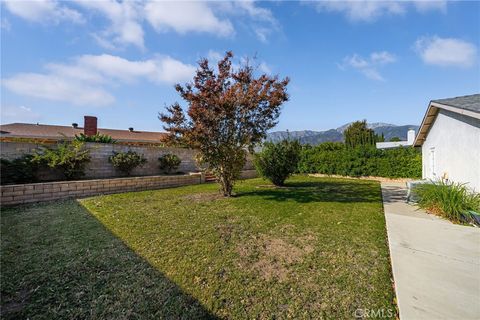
436 264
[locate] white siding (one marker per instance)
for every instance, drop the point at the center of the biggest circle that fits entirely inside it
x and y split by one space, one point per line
452 149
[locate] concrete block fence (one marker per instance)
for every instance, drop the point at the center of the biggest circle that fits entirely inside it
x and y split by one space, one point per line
100 167
46 191
98 170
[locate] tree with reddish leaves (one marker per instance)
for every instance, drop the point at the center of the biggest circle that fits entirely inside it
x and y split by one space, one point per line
229 112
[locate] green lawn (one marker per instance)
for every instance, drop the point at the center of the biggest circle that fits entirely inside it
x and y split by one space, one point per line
314 249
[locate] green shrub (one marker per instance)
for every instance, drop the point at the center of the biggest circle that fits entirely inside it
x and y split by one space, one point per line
70 157
335 158
324 158
169 162
99 138
20 170
402 162
277 161
127 161
449 200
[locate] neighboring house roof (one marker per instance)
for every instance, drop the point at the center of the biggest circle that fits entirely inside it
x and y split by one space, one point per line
392 144
28 130
466 105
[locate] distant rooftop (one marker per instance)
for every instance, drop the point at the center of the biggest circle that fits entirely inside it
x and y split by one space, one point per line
44 131
471 102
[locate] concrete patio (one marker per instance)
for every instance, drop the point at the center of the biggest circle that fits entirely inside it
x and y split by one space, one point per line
436 264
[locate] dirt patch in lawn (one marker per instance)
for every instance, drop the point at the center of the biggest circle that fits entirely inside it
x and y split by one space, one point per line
203 197
229 229
272 257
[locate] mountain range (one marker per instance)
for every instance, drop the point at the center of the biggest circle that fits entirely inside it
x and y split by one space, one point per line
336 135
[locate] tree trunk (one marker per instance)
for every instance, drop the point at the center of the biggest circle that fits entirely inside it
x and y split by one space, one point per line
226 185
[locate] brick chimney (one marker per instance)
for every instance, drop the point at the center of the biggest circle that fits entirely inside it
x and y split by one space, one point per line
90 126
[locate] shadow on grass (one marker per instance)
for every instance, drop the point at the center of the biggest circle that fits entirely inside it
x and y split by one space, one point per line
321 191
393 194
59 261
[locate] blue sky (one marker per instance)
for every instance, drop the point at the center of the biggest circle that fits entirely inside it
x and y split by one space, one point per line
380 61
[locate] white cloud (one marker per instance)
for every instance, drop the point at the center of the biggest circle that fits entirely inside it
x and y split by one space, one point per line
262 33
44 11
368 10
125 22
446 51
428 5
127 19
186 17
265 68
162 69
257 13
173 71
372 74
261 20
11 114
368 67
56 88
362 10
382 57
262 66
86 79
214 56
355 61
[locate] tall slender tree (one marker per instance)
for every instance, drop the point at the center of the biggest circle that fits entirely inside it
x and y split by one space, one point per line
358 134
229 112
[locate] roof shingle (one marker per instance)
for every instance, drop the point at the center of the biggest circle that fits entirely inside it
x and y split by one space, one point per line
471 102
58 132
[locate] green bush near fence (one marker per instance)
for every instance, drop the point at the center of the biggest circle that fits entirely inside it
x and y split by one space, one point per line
169 162
19 170
69 157
335 158
127 161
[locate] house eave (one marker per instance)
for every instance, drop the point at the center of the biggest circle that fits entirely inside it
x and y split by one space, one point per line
431 114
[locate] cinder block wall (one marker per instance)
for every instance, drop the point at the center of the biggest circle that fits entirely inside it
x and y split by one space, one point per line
100 167
37 192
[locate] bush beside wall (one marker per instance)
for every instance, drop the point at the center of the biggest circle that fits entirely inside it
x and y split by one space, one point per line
335 158
19 170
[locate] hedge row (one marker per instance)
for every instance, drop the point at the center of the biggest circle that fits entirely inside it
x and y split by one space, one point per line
335 158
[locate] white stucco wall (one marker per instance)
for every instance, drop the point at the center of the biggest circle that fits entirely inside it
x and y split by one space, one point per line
452 149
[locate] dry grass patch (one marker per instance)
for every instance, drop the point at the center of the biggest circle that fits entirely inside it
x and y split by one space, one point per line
272 258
